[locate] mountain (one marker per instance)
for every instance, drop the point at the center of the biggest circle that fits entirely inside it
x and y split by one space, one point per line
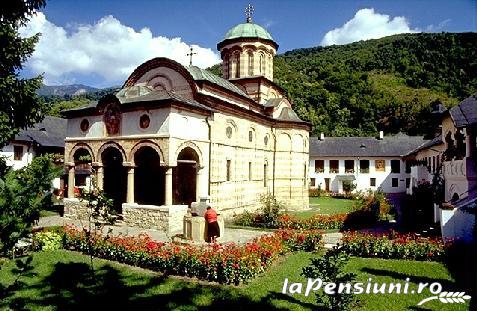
69 90
383 84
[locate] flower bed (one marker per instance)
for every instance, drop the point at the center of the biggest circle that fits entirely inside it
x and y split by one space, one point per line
394 245
224 263
315 222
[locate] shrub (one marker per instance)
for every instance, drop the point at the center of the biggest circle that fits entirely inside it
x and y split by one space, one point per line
393 245
47 240
314 192
267 217
330 268
224 263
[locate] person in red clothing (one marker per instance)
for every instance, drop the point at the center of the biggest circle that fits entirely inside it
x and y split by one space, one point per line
213 230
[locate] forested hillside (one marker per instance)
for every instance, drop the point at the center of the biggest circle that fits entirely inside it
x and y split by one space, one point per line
384 84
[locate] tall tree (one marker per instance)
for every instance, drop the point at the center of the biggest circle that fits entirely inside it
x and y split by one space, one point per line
19 105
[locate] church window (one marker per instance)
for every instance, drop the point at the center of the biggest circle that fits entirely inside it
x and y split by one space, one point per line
265 140
265 175
262 64
250 136
144 121
229 172
228 132
84 125
237 65
250 63
249 170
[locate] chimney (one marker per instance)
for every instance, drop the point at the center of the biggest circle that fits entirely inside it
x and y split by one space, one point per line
322 136
381 135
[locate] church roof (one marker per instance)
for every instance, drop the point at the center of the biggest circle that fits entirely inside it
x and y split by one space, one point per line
390 146
50 132
199 74
465 113
248 30
287 114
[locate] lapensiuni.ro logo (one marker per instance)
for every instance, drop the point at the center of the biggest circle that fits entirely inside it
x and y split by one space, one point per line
375 288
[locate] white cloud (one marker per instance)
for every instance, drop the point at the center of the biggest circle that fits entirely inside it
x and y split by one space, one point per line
107 49
367 24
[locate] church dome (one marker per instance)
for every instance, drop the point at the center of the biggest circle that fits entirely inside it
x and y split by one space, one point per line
248 30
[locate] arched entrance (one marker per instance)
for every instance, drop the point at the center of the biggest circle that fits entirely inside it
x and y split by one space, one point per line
185 177
115 176
82 159
149 177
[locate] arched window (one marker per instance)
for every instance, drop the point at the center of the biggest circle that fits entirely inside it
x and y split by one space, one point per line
262 64
250 63
236 65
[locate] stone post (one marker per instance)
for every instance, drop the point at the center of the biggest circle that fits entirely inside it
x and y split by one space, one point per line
71 179
168 186
130 184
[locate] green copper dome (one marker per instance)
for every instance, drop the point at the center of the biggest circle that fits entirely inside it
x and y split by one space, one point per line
248 30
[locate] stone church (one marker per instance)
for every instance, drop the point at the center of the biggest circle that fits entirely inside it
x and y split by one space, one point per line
175 134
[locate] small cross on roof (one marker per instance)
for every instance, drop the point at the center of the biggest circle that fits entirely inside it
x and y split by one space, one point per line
249 12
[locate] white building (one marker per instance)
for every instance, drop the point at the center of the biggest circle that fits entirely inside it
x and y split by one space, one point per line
47 136
368 162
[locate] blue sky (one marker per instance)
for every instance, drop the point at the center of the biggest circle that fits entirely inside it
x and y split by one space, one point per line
99 43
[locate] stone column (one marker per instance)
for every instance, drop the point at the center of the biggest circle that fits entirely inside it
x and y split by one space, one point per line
198 187
130 185
168 195
469 143
71 179
99 174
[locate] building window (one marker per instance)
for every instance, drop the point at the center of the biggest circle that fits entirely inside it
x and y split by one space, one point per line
228 132
229 164
144 121
262 64
249 170
334 166
408 167
408 182
237 65
433 164
304 175
312 182
349 166
372 182
319 166
84 125
364 166
17 153
379 165
250 136
394 182
265 175
396 166
250 63
265 140
80 180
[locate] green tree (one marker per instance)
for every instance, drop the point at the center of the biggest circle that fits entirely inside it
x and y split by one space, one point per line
23 193
19 105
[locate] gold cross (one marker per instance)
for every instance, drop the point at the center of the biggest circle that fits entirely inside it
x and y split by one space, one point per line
190 54
249 12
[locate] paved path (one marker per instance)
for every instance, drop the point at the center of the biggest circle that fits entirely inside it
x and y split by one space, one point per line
231 235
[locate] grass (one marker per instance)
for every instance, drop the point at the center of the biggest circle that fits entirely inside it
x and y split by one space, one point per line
61 280
326 205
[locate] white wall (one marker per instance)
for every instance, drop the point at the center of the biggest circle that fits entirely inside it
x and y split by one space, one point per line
8 153
362 180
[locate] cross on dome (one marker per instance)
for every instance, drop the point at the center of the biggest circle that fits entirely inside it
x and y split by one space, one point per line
249 12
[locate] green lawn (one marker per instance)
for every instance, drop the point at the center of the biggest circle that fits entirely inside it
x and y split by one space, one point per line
61 281
326 205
